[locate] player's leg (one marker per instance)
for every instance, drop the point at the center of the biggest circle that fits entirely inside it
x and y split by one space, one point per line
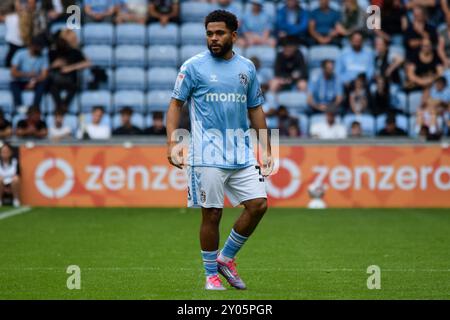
245 187
15 188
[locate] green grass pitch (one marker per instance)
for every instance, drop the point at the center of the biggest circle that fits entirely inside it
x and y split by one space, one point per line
294 254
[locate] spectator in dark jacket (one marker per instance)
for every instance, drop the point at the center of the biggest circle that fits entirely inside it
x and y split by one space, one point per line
127 128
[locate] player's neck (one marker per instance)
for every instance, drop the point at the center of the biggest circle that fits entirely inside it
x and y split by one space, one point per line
228 56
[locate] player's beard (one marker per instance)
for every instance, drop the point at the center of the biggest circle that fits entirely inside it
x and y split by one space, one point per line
224 49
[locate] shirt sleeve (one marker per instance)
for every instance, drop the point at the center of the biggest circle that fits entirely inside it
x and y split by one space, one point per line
184 83
255 96
17 58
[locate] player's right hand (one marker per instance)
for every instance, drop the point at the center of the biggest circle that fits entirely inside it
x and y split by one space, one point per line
175 154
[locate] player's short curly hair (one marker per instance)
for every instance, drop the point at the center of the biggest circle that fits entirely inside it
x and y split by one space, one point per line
222 16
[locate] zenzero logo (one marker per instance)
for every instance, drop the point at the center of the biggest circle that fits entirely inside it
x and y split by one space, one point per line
294 183
44 188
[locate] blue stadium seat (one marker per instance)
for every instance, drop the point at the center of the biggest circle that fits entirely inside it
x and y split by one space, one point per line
74 107
87 118
192 33
158 100
130 56
414 101
137 120
100 55
69 120
295 102
396 50
163 35
131 98
28 98
400 120
130 33
319 53
88 77
90 99
3 54
98 33
2 33
5 78
193 11
367 122
189 51
6 101
161 78
265 54
399 100
303 123
412 127
162 56
130 79
16 119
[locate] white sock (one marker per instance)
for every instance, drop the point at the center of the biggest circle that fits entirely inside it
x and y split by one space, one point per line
223 258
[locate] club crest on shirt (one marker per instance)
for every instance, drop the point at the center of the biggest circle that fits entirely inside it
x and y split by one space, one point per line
243 78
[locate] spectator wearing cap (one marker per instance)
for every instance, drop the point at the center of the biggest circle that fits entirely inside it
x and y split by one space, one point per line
126 127
29 71
99 10
257 26
95 130
164 11
324 24
391 129
157 127
290 68
134 11
5 127
292 20
325 92
328 129
58 130
32 126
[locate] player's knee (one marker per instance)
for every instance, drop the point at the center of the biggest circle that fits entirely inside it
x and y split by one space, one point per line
15 179
258 206
212 215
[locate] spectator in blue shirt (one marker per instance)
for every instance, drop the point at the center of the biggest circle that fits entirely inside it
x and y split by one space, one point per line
29 71
440 92
292 21
324 24
230 6
99 10
355 60
257 26
325 92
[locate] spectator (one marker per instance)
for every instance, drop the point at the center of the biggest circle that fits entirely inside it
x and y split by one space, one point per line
444 44
99 10
132 11
353 18
32 126
257 26
290 68
229 5
386 66
292 21
355 60
95 130
284 121
426 134
355 130
325 92
324 24
58 130
440 93
66 60
329 129
13 37
418 30
394 20
264 75
164 11
391 129
9 174
428 116
29 71
157 127
127 128
359 96
432 7
423 68
381 99
57 10
294 130
5 127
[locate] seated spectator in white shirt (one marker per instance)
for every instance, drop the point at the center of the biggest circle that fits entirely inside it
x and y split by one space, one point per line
9 174
329 129
58 130
132 11
95 130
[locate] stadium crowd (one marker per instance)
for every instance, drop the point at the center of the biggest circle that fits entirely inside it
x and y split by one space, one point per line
323 72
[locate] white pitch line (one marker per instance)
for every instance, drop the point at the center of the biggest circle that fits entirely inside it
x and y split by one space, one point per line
14 212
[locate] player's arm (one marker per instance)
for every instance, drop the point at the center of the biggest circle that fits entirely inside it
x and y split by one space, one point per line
258 122
172 121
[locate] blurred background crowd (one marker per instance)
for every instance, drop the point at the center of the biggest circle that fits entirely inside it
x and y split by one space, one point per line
324 73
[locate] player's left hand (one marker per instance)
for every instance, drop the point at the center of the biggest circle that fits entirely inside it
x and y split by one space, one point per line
267 166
